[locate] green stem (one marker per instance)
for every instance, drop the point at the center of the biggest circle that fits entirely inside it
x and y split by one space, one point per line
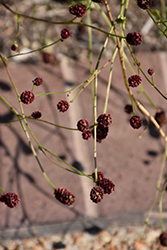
149 11
11 80
90 42
74 172
148 98
90 50
102 50
87 83
7 103
95 121
95 73
69 91
35 155
81 173
109 80
35 50
50 123
103 14
24 129
126 7
160 210
2 190
18 27
163 9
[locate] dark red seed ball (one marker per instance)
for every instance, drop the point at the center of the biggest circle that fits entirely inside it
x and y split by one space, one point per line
36 114
160 117
14 47
63 106
96 194
101 133
128 108
135 122
104 120
151 71
107 185
83 125
78 10
163 239
99 176
10 199
65 33
86 135
144 4
27 97
134 80
134 38
37 81
64 196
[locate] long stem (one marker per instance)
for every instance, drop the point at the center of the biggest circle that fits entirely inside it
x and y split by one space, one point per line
7 103
35 155
81 173
109 80
90 50
74 172
35 50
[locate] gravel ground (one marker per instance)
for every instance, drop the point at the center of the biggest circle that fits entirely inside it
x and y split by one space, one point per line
113 238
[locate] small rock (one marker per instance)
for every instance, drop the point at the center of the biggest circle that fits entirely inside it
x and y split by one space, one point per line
141 245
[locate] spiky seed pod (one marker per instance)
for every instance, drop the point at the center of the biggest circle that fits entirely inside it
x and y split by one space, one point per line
64 196
27 97
134 38
82 125
107 185
151 71
163 239
134 81
10 199
36 114
96 194
160 117
78 10
101 133
104 120
135 122
99 176
144 4
63 106
86 135
65 33
128 108
37 81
